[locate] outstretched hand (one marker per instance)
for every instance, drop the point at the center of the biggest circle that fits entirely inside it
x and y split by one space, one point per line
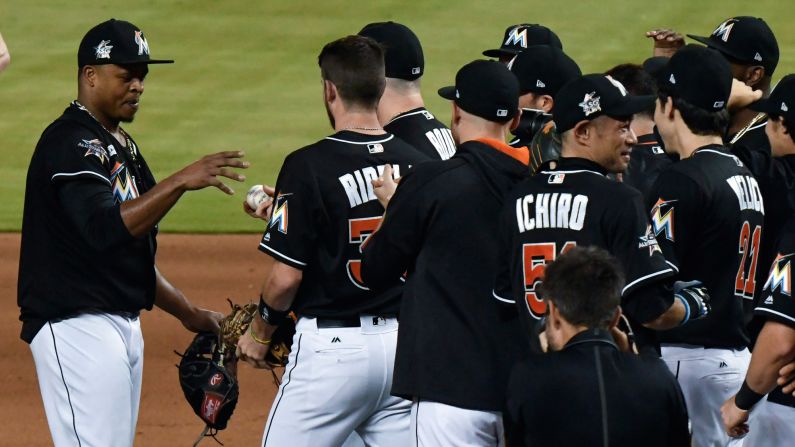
207 170
666 41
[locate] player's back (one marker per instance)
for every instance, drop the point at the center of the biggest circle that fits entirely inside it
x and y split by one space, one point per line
571 204
325 191
708 219
419 128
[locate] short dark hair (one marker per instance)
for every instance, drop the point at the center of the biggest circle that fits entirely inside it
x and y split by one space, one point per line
355 65
698 120
585 284
789 125
637 82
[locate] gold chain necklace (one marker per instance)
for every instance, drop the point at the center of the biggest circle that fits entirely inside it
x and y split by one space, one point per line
127 142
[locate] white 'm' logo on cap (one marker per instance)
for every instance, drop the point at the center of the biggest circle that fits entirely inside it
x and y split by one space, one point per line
784 107
539 83
672 79
103 49
517 37
143 45
724 29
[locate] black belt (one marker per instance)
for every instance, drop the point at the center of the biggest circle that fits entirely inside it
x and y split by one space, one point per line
328 323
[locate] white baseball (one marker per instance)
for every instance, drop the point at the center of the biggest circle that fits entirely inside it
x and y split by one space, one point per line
256 196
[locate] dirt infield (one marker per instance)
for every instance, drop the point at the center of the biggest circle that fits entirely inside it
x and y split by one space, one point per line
208 268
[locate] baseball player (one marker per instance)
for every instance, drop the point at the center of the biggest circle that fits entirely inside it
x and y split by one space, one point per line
648 158
340 368
775 346
518 37
707 217
401 110
541 70
571 202
456 345
87 262
586 378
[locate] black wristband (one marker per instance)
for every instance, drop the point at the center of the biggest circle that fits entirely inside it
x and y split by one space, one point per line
746 397
270 315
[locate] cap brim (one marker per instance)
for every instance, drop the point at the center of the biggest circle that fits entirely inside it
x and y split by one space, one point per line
716 45
764 105
500 52
629 106
447 92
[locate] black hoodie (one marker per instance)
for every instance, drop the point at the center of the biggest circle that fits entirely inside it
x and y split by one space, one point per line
456 343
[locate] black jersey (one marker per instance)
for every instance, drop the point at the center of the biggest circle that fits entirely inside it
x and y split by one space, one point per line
441 226
646 161
571 204
77 255
707 217
776 301
776 178
324 209
419 128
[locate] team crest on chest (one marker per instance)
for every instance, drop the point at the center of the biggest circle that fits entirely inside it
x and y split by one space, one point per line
94 147
279 216
662 218
122 184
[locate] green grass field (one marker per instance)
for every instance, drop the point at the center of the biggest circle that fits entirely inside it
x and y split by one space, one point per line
246 73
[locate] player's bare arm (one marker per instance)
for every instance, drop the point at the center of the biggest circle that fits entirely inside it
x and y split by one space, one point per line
143 213
278 293
666 41
774 349
173 301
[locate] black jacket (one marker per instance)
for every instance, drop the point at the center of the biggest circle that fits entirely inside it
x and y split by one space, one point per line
456 343
591 394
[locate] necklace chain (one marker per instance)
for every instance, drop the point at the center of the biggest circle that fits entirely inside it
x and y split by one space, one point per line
759 117
361 128
128 143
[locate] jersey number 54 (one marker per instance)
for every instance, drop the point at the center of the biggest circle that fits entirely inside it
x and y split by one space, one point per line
535 258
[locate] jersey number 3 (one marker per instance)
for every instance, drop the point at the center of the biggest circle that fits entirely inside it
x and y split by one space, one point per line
358 231
535 258
745 283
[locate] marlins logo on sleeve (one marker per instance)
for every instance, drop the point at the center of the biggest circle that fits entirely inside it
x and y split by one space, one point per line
662 218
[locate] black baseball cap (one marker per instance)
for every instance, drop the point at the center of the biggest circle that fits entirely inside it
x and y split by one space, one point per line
654 64
591 96
115 42
403 58
781 101
699 75
543 69
744 40
486 89
518 37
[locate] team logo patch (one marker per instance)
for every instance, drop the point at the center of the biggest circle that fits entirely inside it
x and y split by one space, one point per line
780 276
375 148
143 45
662 218
590 104
216 379
211 405
94 147
279 216
540 83
102 51
556 179
122 183
724 30
649 241
657 150
769 300
517 36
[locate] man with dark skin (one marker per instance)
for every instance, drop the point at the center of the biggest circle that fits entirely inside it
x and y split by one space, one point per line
87 263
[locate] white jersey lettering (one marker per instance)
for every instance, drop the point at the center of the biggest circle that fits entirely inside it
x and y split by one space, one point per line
556 210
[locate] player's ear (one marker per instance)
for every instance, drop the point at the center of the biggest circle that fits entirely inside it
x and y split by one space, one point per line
329 91
582 132
89 74
546 103
753 75
456 115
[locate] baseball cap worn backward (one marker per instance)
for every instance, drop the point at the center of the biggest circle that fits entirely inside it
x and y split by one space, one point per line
591 96
486 89
543 69
115 42
744 39
518 37
699 75
781 101
403 58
